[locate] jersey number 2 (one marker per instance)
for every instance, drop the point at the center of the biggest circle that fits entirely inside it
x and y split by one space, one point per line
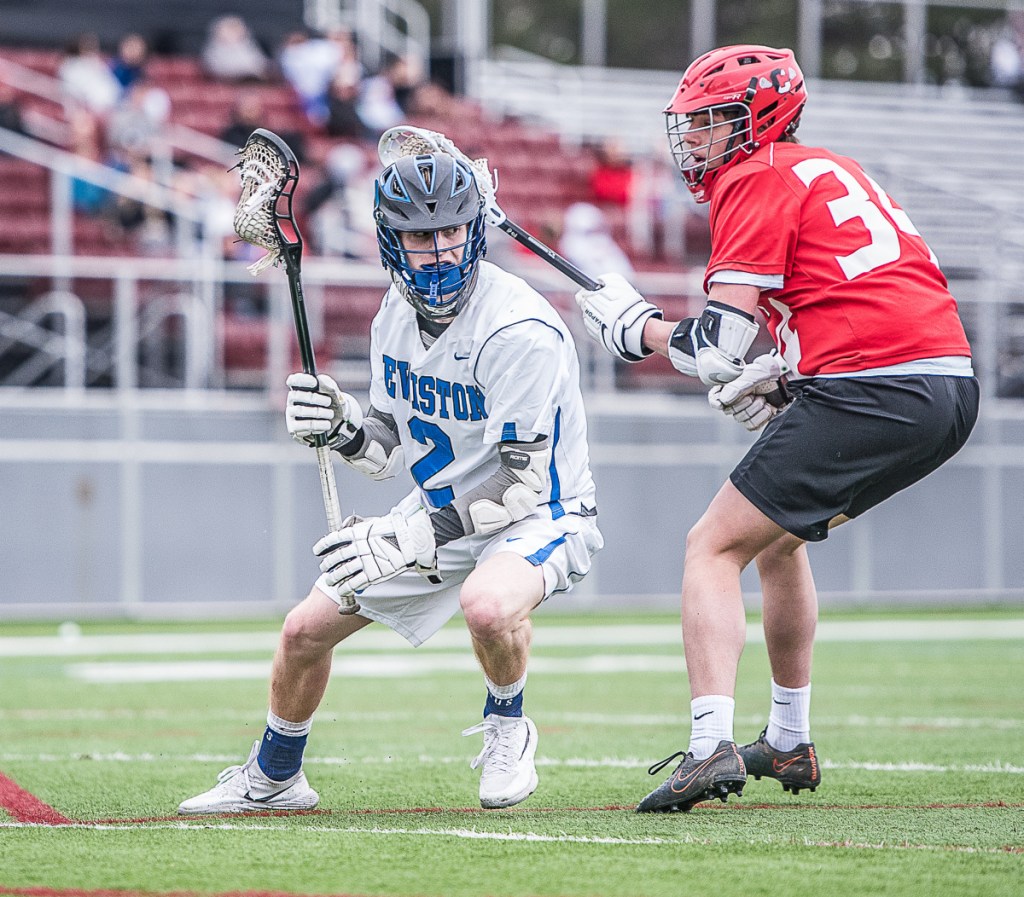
434 461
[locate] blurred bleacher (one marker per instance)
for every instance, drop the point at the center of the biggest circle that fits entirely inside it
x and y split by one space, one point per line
541 175
950 157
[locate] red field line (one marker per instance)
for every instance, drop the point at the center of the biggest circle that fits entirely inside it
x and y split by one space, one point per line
26 807
79 892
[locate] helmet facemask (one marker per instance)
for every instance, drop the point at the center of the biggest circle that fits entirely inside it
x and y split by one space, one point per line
728 133
425 198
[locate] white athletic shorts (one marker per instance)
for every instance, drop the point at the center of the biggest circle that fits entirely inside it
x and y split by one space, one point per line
416 609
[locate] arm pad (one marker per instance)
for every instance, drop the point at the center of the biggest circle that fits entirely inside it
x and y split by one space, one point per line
375 451
511 493
712 346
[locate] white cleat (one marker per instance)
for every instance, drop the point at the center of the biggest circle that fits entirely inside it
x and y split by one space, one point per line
509 775
245 789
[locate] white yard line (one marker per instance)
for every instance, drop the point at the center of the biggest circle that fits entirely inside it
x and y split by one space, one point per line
373 666
381 639
476 835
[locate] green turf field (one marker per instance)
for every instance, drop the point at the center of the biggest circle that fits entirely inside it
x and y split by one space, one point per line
918 719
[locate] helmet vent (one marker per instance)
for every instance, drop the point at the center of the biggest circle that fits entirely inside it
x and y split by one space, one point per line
431 206
426 169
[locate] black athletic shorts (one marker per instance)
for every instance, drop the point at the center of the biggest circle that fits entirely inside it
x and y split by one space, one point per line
845 445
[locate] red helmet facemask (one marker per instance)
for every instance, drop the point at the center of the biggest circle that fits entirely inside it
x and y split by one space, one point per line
751 96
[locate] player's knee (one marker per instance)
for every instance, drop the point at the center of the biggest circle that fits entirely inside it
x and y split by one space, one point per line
301 635
486 613
698 541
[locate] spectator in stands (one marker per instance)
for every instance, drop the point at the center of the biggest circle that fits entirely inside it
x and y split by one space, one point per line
85 77
86 142
246 115
150 228
232 53
587 241
340 206
312 64
1006 62
611 180
342 117
378 107
129 65
138 121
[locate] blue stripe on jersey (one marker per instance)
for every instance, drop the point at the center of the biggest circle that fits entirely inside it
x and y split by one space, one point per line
538 557
556 487
508 432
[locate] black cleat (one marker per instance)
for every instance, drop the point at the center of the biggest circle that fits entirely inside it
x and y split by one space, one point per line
694 781
796 769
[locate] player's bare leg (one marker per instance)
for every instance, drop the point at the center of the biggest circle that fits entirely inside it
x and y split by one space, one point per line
790 609
719 546
302 662
497 599
784 750
272 776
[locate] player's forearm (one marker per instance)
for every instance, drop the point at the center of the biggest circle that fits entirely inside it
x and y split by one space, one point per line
509 494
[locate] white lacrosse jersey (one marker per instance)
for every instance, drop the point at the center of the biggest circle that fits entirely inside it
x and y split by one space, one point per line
505 370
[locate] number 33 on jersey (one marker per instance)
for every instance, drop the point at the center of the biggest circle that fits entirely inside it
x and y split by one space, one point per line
860 275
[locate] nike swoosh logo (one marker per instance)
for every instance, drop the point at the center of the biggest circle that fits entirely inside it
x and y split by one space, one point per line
460 357
782 767
782 703
680 783
705 713
263 800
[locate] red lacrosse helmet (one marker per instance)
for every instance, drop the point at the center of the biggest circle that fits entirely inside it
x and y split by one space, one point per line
758 90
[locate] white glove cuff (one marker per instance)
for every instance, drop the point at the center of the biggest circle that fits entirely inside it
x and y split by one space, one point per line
633 331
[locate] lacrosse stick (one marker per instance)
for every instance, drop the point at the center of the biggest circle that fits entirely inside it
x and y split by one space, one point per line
264 218
405 140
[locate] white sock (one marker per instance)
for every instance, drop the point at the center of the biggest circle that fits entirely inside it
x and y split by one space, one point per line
712 722
284 727
789 722
505 692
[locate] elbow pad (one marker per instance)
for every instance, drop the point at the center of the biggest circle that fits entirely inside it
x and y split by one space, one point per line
712 346
379 452
521 479
375 461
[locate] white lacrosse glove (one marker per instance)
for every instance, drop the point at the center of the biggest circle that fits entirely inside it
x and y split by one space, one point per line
756 395
365 552
615 316
316 406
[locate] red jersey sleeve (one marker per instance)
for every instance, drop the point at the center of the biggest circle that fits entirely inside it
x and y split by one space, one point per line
755 221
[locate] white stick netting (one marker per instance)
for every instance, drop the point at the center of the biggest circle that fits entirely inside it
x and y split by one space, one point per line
406 140
263 172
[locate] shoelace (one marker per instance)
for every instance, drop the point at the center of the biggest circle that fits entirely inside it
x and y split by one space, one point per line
233 771
499 753
661 764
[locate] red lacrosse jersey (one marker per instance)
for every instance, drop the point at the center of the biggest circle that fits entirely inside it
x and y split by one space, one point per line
861 288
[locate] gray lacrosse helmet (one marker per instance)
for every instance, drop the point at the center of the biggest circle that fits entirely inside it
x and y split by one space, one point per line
426 194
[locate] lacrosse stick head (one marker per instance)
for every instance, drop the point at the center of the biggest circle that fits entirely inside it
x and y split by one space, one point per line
430 231
407 140
269 173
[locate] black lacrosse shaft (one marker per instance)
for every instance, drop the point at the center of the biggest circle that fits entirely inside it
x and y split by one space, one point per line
546 252
292 257
299 309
